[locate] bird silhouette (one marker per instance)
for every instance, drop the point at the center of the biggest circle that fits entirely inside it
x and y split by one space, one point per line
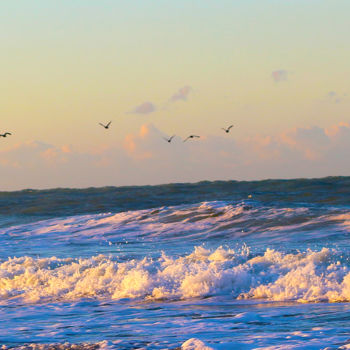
5 134
106 126
191 137
170 139
228 129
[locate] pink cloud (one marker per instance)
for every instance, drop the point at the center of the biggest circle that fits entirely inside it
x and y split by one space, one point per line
145 158
337 130
133 144
66 149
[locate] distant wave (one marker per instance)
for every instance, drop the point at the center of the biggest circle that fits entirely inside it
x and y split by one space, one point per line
206 220
304 277
35 204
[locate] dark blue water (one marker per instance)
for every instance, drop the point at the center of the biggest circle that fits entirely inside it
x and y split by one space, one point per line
212 265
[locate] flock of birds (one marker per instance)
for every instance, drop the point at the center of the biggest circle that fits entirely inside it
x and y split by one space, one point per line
227 130
106 126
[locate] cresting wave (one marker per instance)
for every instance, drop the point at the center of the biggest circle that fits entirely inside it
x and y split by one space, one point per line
305 277
190 344
198 221
62 202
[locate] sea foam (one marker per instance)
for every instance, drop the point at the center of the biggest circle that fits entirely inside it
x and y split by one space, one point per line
305 277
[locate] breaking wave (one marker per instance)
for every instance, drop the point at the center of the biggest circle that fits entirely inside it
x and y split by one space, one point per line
205 220
311 276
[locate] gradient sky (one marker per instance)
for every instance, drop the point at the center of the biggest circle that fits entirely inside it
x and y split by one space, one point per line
272 68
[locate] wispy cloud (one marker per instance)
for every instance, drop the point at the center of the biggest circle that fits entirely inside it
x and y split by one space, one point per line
336 97
279 75
182 94
148 107
144 108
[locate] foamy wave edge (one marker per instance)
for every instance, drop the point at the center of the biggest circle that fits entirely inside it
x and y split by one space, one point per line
103 345
311 276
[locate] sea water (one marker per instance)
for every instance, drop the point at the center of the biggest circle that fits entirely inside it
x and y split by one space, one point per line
212 265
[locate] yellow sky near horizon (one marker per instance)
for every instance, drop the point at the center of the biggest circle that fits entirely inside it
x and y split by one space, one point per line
68 66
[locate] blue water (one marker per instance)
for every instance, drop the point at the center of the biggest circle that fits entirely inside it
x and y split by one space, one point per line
212 265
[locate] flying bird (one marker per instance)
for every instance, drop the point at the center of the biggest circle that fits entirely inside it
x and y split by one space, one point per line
191 137
106 126
170 139
5 134
228 129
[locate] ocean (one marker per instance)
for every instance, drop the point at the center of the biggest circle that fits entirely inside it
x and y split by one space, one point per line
211 265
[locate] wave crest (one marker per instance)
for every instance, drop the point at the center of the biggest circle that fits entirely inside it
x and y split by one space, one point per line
305 277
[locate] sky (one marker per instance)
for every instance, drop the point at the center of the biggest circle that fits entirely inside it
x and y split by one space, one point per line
277 69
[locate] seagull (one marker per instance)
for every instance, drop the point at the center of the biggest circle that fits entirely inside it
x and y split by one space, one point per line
170 139
228 129
106 126
5 134
191 137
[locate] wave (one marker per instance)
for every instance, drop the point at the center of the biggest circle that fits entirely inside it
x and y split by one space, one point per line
31 204
197 222
312 276
190 344
103 345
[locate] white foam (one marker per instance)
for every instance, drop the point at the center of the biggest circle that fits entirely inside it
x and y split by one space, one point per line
194 344
103 345
304 277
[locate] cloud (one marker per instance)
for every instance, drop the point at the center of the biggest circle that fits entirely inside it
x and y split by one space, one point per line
148 107
299 152
20 154
181 94
336 97
145 158
133 143
144 108
279 75
37 164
